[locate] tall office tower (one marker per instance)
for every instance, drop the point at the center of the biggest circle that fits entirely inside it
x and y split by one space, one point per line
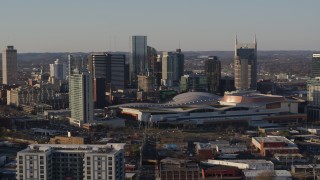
58 70
126 75
68 161
245 65
100 67
9 65
110 68
81 97
154 64
117 71
212 70
313 98
315 68
74 63
158 72
172 68
99 93
138 57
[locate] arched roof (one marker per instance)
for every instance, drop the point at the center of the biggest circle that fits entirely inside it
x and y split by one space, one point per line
185 99
194 98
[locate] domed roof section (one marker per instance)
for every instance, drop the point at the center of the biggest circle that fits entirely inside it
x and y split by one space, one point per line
194 98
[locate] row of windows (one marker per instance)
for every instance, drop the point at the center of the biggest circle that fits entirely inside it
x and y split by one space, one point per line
89 177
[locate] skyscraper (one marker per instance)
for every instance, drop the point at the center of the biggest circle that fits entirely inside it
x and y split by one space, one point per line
99 65
58 70
315 68
172 68
154 64
313 98
245 65
313 90
117 70
109 66
138 57
74 63
81 97
108 70
212 70
9 65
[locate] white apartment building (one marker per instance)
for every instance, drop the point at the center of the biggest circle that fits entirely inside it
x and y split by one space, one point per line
81 97
67 161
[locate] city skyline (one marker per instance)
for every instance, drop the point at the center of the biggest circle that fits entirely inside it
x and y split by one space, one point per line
59 26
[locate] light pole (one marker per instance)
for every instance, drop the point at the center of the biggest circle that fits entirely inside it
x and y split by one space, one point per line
314 172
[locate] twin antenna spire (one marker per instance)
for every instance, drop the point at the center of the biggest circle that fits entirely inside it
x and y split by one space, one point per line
254 41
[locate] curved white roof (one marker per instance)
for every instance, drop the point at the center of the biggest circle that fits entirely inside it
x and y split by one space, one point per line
194 98
185 99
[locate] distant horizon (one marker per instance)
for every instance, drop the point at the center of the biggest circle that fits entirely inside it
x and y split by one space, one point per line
97 26
157 51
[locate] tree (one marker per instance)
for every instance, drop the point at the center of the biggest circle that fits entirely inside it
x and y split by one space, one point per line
266 175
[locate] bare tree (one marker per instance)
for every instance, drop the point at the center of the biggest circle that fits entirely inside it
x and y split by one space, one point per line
266 175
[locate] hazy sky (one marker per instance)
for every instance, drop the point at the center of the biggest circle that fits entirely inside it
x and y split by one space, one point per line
105 25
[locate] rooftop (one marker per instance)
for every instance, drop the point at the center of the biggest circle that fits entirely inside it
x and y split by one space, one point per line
109 148
169 163
250 97
181 100
244 161
272 139
277 173
203 145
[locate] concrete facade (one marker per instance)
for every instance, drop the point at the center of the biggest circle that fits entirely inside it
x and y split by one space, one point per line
9 65
245 65
212 70
172 68
138 57
268 146
81 97
58 70
55 161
